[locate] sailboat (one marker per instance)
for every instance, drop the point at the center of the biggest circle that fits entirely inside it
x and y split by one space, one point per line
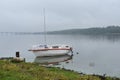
50 50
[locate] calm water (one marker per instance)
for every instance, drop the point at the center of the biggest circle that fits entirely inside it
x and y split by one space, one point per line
97 54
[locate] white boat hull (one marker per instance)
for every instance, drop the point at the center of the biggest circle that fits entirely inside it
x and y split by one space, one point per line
51 52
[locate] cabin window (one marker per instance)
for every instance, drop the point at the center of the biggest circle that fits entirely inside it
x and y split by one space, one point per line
55 46
45 46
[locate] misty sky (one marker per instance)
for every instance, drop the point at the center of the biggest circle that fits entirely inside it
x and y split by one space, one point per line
27 15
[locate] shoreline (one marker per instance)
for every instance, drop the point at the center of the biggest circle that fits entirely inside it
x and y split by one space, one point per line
25 70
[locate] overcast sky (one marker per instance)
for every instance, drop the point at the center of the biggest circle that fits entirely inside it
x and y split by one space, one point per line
27 15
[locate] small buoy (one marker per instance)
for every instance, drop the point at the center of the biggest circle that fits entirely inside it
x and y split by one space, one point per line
77 53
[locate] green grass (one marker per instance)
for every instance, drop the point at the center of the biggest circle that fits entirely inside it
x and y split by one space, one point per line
31 71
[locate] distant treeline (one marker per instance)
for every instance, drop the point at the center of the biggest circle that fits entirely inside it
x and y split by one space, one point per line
89 31
92 31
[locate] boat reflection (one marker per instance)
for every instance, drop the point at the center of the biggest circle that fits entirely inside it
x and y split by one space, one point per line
52 59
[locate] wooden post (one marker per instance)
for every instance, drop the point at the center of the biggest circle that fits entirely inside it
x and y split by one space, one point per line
17 54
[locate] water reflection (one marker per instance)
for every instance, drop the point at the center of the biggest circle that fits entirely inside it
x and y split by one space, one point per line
52 59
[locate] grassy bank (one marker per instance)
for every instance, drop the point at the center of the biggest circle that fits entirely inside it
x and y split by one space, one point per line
31 71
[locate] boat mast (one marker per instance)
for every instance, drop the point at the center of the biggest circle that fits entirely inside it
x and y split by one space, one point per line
44 26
